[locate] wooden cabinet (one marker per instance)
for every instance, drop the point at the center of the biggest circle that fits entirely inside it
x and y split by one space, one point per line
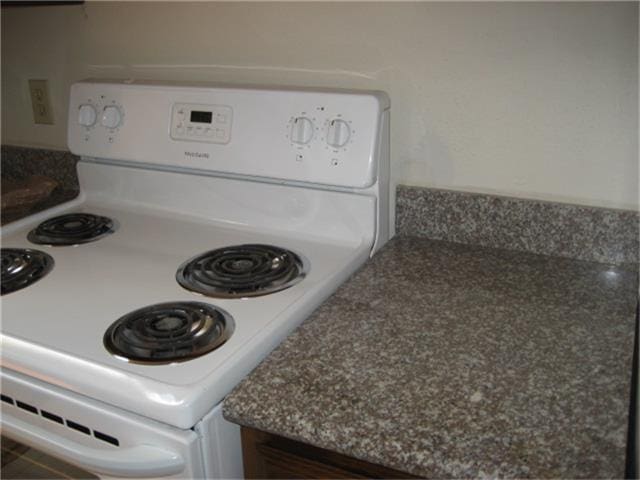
271 456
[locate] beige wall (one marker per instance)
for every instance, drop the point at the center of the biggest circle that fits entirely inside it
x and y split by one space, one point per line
532 100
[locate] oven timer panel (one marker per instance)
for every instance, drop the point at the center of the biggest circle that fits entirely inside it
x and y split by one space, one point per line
201 123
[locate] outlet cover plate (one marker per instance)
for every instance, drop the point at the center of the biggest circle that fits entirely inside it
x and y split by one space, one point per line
40 102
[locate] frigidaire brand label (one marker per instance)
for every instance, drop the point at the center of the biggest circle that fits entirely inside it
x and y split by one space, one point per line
196 154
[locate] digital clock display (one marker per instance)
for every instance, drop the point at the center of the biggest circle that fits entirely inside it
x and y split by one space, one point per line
201 117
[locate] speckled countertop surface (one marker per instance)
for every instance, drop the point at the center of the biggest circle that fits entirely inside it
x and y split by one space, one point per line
448 360
21 163
56 197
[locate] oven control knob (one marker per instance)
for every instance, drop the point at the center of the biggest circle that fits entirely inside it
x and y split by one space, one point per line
338 133
111 117
87 115
301 130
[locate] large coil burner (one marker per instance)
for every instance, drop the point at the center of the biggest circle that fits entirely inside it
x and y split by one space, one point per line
169 332
71 229
22 267
242 271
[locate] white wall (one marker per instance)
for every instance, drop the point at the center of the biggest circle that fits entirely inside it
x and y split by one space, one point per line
533 100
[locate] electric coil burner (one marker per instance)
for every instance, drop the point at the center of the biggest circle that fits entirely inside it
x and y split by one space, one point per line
241 271
22 266
169 332
71 229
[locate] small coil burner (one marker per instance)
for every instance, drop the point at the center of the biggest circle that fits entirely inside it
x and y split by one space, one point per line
22 266
241 271
169 332
71 229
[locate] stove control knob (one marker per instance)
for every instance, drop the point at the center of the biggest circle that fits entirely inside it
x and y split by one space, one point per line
338 133
87 115
111 117
301 130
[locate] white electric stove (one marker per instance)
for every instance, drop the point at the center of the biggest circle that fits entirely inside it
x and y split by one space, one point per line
211 222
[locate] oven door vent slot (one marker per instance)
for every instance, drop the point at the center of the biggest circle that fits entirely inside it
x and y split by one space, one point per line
52 417
27 407
106 438
78 427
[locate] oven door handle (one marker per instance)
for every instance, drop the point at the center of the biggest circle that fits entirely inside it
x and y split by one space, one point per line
136 461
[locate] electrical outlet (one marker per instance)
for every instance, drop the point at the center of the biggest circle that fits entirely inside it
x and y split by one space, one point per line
42 112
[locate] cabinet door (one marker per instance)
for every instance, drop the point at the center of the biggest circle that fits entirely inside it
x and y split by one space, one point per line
271 456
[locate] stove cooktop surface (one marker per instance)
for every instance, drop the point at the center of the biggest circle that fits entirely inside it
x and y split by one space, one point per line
94 284
55 327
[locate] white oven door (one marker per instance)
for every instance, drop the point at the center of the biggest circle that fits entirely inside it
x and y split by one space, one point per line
49 432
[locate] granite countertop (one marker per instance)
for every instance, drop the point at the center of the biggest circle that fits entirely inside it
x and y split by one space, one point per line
449 360
56 197
23 165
